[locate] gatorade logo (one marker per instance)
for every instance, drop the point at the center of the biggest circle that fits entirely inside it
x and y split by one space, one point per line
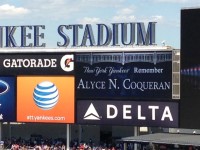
67 63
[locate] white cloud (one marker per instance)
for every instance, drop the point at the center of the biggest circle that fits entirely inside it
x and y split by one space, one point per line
103 3
172 1
46 4
125 15
65 10
123 18
62 10
7 11
196 2
52 9
87 20
126 11
157 18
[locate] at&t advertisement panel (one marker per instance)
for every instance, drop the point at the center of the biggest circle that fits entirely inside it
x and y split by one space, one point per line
124 75
47 99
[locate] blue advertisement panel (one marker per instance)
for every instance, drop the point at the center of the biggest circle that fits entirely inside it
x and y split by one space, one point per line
7 99
37 64
137 113
124 75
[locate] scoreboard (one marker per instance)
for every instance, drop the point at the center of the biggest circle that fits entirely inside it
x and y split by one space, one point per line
127 82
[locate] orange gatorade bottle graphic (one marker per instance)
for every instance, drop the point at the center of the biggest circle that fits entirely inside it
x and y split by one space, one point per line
47 99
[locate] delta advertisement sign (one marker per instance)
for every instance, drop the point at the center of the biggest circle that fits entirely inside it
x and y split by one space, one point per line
125 75
138 113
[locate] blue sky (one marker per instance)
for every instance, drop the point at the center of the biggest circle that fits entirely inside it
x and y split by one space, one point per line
53 13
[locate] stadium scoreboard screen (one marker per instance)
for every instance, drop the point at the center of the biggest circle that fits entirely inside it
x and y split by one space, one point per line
124 75
49 81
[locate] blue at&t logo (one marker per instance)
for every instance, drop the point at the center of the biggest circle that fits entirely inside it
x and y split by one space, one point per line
46 95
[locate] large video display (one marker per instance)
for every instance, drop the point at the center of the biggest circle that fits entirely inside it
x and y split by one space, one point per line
190 69
124 75
98 86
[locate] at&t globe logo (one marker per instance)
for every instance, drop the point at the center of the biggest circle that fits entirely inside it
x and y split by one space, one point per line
46 95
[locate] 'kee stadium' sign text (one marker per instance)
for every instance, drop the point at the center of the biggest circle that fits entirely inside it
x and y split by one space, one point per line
116 34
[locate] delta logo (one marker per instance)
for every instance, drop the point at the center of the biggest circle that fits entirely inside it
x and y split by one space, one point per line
91 113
